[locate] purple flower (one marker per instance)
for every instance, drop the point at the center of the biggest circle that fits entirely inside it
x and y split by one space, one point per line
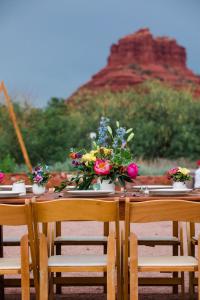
79 155
38 178
38 169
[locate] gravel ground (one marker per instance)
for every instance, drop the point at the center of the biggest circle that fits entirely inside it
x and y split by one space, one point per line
95 293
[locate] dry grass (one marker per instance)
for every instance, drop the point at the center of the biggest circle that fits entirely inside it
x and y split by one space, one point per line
159 166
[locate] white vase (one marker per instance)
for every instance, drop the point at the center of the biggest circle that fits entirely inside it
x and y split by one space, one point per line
38 189
197 179
179 185
106 185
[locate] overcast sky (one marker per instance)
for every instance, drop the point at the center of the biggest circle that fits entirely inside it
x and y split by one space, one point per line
51 47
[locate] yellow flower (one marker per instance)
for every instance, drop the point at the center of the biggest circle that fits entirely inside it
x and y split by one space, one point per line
88 157
184 171
107 151
93 152
104 151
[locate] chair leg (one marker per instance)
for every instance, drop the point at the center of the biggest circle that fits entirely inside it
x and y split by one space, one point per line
198 285
125 273
111 268
58 274
133 268
133 285
191 252
191 285
51 290
199 267
121 269
105 274
25 269
43 268
182 286
175 274
175 231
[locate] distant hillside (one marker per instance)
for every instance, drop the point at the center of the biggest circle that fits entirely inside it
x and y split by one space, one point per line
139 57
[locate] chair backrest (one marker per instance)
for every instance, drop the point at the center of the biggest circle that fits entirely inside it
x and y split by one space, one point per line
13 215
76 210
162 210
18 215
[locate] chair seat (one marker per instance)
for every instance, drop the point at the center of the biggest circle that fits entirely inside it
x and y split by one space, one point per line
165 261
93 238
77 260
7 263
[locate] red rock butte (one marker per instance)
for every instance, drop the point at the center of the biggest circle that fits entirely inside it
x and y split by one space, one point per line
141 56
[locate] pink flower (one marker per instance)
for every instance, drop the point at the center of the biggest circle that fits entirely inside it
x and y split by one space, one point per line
173 171
102 167
132 170
1 176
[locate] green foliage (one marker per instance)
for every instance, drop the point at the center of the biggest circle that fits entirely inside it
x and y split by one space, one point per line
8 164
165 123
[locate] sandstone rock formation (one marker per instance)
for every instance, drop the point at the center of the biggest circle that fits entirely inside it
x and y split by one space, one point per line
140 56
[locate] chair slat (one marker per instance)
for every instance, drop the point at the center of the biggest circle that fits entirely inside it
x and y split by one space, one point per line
13 215
164 210
86 210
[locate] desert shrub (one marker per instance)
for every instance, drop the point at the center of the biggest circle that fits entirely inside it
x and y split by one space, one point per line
165 122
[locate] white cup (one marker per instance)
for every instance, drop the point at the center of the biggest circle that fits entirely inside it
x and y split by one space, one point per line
19 187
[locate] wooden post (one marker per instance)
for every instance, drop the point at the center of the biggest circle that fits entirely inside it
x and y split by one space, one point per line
16 127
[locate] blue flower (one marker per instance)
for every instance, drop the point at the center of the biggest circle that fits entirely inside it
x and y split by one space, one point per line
119 139
103 132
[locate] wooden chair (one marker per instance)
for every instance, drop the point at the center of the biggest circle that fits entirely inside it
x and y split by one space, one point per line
80 240
192 241
66 240
77 210
157 211
18 215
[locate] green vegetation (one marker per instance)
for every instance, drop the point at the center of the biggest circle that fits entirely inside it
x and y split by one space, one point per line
165 122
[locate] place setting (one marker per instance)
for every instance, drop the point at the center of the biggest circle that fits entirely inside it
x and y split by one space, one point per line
179 176
17 189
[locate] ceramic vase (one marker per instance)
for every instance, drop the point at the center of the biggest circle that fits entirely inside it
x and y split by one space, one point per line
106 185
179 185
38 189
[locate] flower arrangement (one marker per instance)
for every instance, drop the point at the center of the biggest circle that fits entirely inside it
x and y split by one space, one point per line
40 175
1 176
179 174
110 158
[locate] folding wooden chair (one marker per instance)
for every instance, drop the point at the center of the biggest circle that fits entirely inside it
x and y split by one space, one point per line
192 241
18 215
80 240
157 211
77 210
174 242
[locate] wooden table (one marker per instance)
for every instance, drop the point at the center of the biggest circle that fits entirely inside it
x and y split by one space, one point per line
194 196
138 197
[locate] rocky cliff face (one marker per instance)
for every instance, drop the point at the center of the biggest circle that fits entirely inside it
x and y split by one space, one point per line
139 57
